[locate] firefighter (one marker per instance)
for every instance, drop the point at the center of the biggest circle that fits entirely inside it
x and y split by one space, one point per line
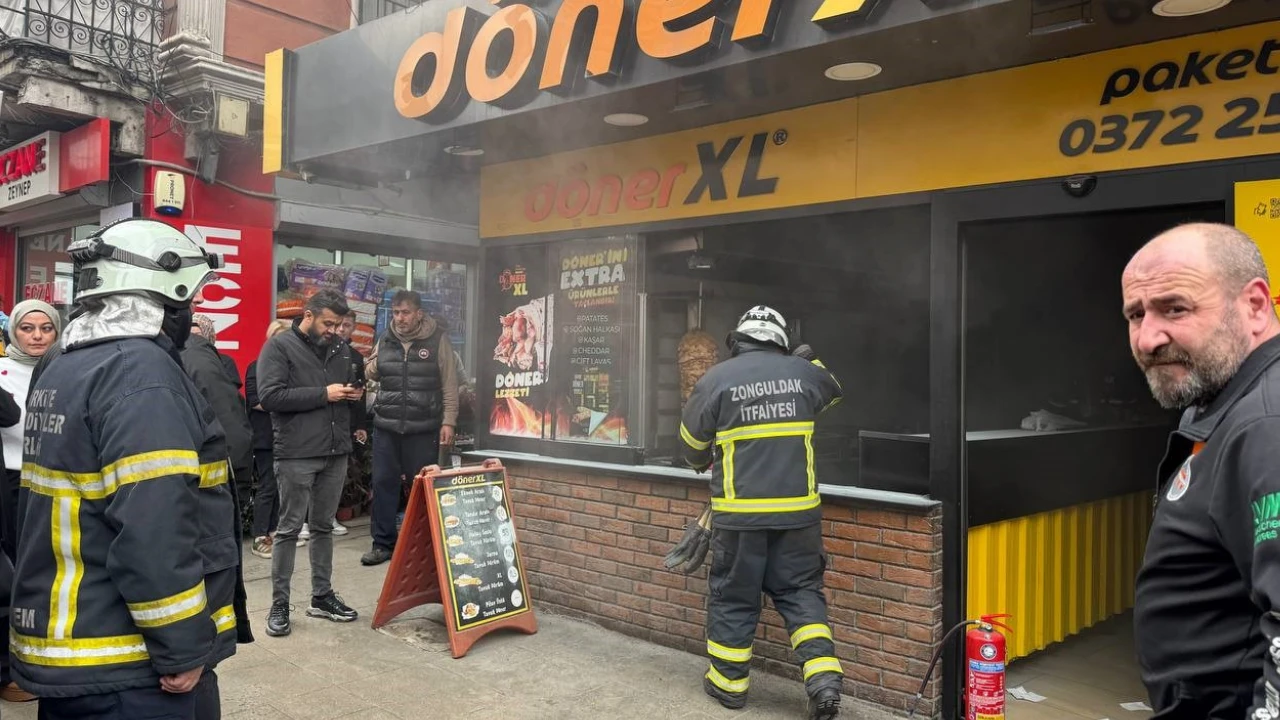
122 599
753 416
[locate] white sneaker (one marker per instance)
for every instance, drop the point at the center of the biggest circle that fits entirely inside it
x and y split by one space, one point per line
305 533
339 528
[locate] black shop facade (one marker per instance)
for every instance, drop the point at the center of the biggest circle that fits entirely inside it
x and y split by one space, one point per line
947 234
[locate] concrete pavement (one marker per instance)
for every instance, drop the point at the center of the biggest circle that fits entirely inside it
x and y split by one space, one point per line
568 670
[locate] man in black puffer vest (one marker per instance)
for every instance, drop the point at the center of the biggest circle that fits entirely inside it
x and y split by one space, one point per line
415 411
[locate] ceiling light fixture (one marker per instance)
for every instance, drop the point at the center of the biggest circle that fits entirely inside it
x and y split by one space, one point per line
626 119
464 150
851 71
1184 8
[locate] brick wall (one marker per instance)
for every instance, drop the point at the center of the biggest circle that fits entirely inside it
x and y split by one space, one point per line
593 548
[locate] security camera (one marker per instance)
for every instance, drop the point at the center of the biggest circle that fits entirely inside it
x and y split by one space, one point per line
1078 186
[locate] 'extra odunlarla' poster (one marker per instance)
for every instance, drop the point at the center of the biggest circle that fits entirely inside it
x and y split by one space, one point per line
596 297
522 351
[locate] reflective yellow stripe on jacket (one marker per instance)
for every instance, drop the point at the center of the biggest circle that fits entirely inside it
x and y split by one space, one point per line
224 619
169 610
727 441
126 471
64 596
80 652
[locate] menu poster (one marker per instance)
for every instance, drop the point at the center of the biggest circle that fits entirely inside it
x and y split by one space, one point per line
521 363
596 297
478 542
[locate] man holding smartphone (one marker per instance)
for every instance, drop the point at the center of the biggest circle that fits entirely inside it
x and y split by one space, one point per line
306 382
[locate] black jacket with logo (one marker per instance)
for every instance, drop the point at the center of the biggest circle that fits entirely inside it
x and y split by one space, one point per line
411 390
1208 592
293 377
754 415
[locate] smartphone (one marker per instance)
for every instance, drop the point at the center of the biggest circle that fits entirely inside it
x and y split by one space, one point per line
358 383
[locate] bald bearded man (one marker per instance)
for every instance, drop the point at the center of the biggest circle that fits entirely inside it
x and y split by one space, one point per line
1203 329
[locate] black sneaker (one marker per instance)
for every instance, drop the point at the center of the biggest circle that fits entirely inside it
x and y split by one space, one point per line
825 704
330 607
278 620
376 556
731 701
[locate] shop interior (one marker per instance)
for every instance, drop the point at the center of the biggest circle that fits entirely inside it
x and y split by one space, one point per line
855 286
369 282
1063 442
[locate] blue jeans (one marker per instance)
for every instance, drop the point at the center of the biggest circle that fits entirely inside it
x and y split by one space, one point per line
395 455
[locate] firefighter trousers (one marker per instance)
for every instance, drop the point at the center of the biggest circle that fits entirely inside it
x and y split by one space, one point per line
787 565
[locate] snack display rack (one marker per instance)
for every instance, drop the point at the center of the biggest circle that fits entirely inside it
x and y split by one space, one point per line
369 293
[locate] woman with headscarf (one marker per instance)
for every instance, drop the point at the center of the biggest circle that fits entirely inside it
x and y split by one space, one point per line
34 328
203 326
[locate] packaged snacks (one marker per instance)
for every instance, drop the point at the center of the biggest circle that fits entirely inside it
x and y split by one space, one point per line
357 284
290 305
306 274
375 287
366 312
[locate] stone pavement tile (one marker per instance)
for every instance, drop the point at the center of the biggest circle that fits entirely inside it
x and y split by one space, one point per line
325 704
253 654
259 712
423 686
18 711
265 683
380 714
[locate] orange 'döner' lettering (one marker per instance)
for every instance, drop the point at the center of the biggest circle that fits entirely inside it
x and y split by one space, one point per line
442 70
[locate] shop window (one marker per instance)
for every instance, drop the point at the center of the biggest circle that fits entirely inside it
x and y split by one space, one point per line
854 286
605 379
369 282
563 320
46 270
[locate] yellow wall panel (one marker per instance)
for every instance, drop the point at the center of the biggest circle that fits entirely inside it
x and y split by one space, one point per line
1058 572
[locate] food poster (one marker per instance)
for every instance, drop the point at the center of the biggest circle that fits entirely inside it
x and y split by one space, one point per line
596 297
521 361
484 568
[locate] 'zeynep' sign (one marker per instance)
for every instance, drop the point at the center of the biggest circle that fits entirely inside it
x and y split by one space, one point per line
29 172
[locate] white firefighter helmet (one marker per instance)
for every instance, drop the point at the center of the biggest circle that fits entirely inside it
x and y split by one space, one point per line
139 257
764 324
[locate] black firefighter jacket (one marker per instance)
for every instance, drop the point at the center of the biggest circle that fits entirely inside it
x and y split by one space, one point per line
753 414
1208 592
127 554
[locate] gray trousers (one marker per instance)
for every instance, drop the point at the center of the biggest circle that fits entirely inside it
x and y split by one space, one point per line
311 485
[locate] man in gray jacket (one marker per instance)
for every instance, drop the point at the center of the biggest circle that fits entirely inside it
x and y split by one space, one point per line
306 382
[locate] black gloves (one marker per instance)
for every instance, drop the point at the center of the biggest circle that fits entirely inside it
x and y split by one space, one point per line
692 548
805 352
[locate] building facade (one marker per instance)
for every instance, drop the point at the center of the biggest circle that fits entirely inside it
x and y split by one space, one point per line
941 196
153 109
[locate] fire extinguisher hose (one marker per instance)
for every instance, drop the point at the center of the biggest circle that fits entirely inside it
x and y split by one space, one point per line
933 662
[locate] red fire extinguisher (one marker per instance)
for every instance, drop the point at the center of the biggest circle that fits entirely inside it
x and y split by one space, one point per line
984 669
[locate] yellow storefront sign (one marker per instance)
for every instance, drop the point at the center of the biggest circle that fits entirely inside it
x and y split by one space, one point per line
1192 99
1257 207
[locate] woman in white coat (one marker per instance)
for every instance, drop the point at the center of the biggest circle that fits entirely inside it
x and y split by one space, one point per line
34 327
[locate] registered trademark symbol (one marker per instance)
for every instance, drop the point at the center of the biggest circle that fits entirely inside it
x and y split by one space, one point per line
780 137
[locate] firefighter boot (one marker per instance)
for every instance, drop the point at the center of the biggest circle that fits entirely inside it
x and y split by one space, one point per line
825 704
731 701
